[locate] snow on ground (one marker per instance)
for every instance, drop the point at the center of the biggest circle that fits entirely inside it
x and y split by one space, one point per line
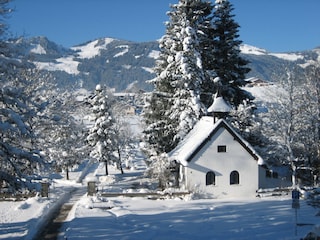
266 93
22 219
140 218
96 217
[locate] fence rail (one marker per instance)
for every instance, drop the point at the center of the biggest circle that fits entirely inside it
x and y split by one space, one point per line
148 195
15 197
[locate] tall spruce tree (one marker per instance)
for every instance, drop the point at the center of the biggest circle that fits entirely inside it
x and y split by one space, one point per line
175 105
228 65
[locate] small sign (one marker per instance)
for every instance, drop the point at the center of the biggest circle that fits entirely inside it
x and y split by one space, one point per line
295 194
295 199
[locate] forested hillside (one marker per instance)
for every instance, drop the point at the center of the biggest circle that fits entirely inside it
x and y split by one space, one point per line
122 64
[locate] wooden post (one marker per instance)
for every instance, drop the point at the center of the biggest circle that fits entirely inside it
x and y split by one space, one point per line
92 190
44 189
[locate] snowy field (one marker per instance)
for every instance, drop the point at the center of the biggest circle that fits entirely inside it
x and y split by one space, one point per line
138 218
94 217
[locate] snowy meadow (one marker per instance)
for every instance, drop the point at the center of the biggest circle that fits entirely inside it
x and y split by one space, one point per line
137 218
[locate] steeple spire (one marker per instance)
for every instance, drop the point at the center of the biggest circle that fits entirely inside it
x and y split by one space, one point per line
219 108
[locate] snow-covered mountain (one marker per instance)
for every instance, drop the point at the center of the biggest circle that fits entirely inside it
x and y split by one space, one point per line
113 62
119 64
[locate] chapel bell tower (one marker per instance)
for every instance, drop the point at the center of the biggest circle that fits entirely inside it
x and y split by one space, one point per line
219 108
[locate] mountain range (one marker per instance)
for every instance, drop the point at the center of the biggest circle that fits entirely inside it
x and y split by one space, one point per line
125 65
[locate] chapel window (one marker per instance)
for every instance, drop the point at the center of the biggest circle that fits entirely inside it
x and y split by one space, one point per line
210 178
234 177
222 148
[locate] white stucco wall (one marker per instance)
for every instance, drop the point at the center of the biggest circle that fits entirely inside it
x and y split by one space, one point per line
222 164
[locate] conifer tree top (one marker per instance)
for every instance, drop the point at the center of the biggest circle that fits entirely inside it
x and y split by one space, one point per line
220 1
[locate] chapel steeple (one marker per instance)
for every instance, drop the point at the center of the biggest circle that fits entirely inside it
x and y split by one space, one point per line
219 108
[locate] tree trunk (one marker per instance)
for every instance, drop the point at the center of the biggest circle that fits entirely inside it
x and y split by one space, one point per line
106 165
67 173
119 161
121 169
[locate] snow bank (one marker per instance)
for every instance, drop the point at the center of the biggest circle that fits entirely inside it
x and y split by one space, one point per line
24 219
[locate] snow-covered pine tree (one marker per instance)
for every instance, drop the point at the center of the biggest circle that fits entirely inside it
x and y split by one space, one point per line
187 107
102 134
174 106
228 65
20 159
159 131
206 43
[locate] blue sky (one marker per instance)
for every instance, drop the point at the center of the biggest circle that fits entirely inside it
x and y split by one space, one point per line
276 25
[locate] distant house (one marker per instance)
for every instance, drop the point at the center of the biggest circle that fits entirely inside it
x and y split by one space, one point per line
129 110
215 160
257 82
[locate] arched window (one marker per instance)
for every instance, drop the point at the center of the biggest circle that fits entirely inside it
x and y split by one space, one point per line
210 178
234 177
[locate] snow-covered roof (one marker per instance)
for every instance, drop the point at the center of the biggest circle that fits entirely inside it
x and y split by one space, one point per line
219 105
200 134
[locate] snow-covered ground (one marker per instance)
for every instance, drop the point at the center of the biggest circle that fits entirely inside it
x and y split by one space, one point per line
22 219
94 217
140 218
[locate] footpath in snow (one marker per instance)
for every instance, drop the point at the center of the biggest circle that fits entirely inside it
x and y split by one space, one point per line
27 219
